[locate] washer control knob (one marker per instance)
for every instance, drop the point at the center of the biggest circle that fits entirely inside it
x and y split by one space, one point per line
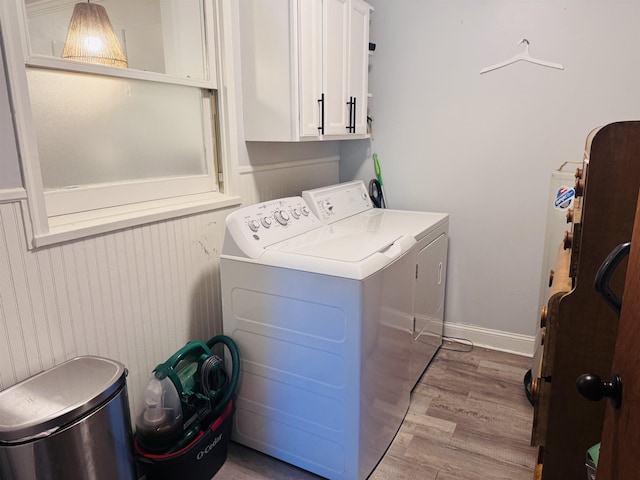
305 211
254 225
266 222
282 217
295 213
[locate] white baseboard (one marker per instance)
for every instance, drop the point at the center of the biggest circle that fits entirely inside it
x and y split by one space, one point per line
492 339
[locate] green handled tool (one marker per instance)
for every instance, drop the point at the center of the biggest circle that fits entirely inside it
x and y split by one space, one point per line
376 166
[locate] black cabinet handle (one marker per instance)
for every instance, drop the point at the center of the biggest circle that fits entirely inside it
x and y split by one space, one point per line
353 122
351 125
321 102
593 388
606 270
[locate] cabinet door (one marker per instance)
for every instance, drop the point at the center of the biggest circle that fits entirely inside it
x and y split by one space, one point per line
336 62
429 292
359 62
310 28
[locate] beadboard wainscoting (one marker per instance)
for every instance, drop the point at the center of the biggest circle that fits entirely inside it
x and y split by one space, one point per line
135 295
286 179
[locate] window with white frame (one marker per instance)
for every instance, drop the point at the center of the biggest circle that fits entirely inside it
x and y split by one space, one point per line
112 129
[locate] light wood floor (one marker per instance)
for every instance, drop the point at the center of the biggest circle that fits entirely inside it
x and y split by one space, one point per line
469 420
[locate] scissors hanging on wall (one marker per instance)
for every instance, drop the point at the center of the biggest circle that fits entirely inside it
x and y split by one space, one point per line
525 56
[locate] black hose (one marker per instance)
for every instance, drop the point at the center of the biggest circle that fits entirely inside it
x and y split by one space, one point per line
235 374
213 376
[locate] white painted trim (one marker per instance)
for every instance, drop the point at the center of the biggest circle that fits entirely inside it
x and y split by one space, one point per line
276 166
106 195
492 339
211 32
227 96
74 226
9 195
15 47
55 63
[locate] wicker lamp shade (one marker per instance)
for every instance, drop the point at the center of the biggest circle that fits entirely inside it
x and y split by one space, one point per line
91 38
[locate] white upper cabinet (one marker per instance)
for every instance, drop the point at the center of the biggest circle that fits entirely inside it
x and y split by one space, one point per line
359 63
304 69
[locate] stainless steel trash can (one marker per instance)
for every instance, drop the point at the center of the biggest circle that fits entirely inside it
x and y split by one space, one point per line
69 422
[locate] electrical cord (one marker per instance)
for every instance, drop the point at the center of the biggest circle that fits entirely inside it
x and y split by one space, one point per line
461 341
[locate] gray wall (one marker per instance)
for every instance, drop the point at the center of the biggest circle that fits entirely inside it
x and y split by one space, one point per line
482 147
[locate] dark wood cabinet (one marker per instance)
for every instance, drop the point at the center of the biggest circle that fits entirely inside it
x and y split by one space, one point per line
580 327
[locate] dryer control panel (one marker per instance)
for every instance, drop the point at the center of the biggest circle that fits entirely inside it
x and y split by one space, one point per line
253 228
338 202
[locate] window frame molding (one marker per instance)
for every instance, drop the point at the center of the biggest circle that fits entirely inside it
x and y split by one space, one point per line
91 197
52 63
42 226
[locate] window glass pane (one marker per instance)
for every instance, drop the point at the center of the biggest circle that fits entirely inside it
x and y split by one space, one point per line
92 129
164 36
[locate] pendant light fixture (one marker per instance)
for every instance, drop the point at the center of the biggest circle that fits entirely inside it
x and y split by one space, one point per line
91 38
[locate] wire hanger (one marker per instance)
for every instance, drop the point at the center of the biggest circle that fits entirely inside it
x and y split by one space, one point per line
522 56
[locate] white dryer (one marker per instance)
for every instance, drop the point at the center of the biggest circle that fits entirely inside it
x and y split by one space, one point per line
430 231
323 315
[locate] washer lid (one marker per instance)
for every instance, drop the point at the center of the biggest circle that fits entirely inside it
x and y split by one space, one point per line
338 243
46 402
338 253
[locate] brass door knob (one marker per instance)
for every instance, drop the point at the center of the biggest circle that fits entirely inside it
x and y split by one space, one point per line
568 240
544 312
535 389
570 215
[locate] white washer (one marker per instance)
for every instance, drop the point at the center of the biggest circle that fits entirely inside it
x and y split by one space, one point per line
323 315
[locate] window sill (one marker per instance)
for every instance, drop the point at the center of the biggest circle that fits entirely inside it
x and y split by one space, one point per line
65 228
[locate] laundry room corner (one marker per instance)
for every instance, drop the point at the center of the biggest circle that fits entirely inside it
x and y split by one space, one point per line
483 146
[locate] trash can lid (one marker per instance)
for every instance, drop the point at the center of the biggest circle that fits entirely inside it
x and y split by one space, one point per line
42 404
